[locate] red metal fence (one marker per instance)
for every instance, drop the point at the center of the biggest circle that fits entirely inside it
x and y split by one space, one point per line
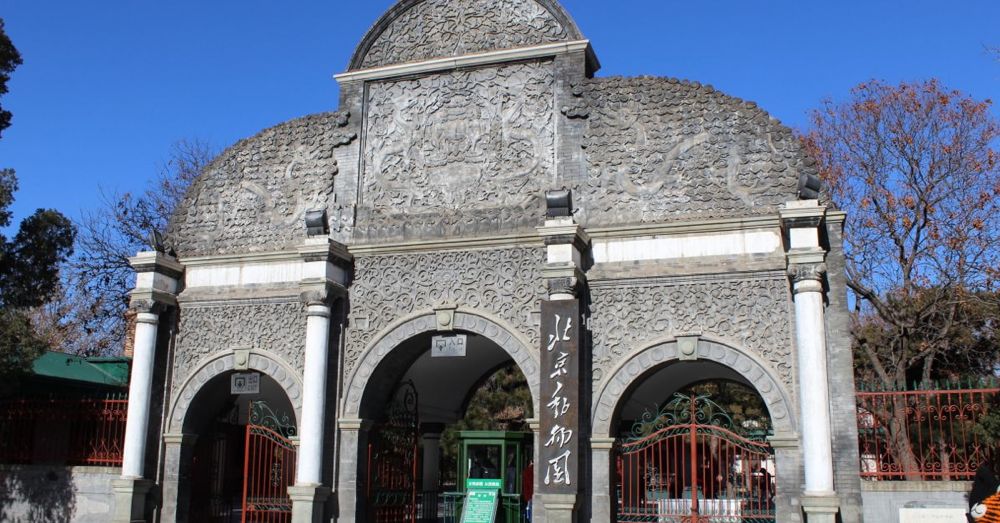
62 431
935 434
268 471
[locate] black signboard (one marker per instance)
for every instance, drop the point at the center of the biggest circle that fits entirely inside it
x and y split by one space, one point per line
559 435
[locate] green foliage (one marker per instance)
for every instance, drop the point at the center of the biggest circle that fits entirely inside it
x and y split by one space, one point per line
9 60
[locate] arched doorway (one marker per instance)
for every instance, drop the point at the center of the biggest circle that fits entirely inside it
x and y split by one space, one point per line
648 380
694 453
242 459
430 393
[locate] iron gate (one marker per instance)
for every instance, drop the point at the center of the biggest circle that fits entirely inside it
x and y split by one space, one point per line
392 460
268 466
687 464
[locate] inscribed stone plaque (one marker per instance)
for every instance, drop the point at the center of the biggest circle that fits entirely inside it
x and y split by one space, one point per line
245 383
560 389
449 346
932 515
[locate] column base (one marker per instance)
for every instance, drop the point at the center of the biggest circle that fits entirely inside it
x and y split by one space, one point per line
821 508
130 499
308 502
559 508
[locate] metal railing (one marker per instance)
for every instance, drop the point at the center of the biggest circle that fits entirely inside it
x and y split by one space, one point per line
63 431
927 434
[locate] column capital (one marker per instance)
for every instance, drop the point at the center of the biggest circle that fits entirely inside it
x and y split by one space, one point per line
320 293
355 424
157 281
805 272
325 250
602 443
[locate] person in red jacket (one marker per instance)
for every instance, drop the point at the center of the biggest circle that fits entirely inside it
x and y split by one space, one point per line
528 487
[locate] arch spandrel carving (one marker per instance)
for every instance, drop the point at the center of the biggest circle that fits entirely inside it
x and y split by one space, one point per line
474 321
415 30
222 363
644 361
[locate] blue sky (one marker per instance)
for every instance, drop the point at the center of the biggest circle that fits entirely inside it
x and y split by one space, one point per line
108 85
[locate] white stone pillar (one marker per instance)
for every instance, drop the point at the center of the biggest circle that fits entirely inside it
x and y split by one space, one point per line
157 282
814 395
310 454
323 280
140 389
803 222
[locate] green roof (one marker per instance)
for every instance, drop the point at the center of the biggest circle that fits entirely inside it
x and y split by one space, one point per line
102 371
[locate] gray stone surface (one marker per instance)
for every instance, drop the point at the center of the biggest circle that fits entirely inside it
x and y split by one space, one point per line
751 312
207 329
882 500
422 29
504 282
661 149
54 494
463 152
253 197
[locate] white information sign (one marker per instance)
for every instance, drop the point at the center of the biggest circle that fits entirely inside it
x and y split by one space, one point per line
245 383
449 346
932 515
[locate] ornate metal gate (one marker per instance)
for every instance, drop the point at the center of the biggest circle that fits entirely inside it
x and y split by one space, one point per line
688 464
392 460
268 466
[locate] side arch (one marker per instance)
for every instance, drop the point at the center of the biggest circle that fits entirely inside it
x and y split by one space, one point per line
659 353
260 361
470 320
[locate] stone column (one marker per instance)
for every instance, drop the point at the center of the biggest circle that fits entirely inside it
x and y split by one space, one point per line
177 449
352 453
788 474
603 468
563 372
802 221
323 279
157 282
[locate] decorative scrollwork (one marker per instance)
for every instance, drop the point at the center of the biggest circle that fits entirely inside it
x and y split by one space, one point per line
263 415
683 409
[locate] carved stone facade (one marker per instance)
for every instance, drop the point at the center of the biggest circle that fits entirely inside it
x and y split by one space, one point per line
504 282
660 149
466 151
207 330
445 28
751 313
433 176
254 196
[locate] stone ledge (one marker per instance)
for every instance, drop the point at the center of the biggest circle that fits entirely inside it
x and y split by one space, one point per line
916 486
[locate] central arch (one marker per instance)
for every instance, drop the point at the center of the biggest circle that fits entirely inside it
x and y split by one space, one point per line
471 320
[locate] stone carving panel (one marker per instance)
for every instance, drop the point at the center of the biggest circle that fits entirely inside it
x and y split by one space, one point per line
504 282
754 314
445 28
444 146
661 149
205 330
254 196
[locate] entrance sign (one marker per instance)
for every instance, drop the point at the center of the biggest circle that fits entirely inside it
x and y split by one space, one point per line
449 346
481 500
245 383
560 388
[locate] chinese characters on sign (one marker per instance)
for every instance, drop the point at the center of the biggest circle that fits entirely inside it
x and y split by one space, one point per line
560 390
245 383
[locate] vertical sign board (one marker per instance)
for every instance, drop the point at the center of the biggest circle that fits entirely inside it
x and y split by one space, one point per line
559 434
481 500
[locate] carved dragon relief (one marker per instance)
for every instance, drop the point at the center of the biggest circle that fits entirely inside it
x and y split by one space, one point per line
659 148
445 145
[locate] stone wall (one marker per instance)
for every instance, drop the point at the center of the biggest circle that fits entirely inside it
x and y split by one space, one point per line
56 494
883 499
